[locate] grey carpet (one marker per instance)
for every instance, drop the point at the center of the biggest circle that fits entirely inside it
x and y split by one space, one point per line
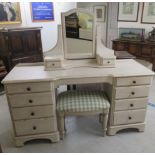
84 134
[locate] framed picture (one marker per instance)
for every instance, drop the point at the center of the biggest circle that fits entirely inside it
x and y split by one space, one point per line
128 11
42 11
10 13
148 13
100 13
134 34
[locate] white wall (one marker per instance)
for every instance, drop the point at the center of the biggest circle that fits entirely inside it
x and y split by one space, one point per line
147 27
49 30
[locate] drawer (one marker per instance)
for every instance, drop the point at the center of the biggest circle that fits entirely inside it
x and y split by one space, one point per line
131 116
130 104
109 62
33 112
132 92
35 126
53 64
28 87
23 100
131 81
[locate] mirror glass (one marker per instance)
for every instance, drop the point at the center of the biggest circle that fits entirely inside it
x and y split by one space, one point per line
78 35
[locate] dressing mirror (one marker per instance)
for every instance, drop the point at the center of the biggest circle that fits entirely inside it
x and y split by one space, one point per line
78 34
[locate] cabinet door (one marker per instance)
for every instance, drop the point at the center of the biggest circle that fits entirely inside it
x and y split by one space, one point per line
32 42
146 51
135 49
121 46
3 45
16 44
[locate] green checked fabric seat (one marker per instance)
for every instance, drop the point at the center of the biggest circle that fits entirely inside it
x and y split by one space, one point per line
81 103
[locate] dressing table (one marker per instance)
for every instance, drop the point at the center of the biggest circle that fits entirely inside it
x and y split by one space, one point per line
31 88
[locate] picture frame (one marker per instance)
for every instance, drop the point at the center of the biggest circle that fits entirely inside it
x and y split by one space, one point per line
128 11
148 13
42 11
100 13
134 34
10 13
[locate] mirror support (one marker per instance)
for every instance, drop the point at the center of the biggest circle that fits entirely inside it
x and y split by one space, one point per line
54 59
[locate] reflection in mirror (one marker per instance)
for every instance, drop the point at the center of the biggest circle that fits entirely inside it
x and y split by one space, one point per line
78 35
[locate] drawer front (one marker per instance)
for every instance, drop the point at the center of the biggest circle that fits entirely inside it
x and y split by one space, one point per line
131 81
130 104
54 64
35 126
22 100
131 92
28 87
131 116
109 62
33 112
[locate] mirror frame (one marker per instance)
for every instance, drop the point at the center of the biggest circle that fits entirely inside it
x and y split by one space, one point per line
77 56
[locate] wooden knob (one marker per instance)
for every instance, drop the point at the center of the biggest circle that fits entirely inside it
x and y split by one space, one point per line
34 127
108 62
133 93
30 101
28 89
130 117
32 113
131 105
53 64
134 81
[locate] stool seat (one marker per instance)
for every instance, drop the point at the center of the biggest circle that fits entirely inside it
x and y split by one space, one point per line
82 101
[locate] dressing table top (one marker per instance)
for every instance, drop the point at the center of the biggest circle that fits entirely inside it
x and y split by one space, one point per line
36 73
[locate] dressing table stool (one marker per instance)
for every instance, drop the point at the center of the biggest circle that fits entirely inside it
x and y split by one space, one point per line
81 103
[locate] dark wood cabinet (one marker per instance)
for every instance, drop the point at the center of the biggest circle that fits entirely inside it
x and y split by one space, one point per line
144 50
18 45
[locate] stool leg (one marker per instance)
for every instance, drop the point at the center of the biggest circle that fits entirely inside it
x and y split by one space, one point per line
61 125
100 118
105 121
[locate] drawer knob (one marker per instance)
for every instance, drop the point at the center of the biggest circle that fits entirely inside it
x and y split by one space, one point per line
131 105
108 62
130 117
28 89
133 93
32 113
134 82
53 64
34 127
30 101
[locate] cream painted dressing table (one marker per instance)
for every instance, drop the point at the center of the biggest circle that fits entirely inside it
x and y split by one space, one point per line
31 88
31 95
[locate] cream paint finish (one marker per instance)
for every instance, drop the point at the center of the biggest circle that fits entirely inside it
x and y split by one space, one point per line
123 69
29 99
34 77
130 104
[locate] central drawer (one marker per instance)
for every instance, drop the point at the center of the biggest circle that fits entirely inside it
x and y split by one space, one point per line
23 100
28 87
33 112
128 117
35 126
131 104
132 92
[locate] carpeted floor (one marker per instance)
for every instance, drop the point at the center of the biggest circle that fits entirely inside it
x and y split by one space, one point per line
84 134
